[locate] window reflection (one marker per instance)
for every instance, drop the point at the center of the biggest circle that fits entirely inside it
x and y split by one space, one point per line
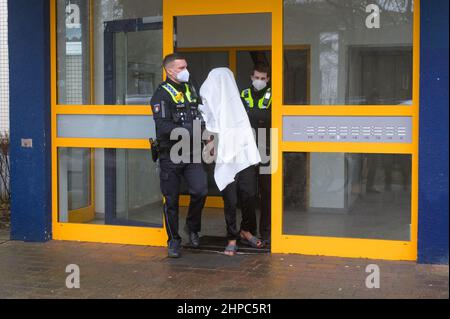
73 52
124 64
329 62
349 61
347 195
108 187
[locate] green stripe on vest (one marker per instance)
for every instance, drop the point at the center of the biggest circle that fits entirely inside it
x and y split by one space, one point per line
264 103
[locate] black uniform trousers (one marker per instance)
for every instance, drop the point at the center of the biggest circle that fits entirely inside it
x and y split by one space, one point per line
265 203
244 188
170 178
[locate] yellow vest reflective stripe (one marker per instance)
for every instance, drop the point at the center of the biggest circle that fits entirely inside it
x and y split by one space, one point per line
264 103
177 96
189 94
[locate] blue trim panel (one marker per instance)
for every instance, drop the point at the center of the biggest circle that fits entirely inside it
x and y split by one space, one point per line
30 118
433 143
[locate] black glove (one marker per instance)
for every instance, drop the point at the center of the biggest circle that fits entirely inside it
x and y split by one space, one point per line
155 149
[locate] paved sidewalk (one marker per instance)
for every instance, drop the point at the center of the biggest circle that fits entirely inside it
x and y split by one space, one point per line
118 271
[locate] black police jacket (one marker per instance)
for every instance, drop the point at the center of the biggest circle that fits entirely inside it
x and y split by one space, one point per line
259 118
166 113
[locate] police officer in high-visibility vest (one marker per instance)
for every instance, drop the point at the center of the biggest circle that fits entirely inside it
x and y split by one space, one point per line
175 105
258 102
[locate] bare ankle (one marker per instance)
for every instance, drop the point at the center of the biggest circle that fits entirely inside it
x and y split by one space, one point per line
246 234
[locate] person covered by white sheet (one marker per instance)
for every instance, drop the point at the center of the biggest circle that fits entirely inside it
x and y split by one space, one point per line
236 154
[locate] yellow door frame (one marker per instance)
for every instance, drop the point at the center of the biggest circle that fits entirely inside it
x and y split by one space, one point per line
75 230
346 247
281 243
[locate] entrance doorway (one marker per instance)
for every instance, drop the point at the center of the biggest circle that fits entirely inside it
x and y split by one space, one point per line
235 41
345 104
132 74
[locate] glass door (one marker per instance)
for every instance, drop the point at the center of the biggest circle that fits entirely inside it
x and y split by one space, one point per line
132 60
132 54
106 58
347 170
76 179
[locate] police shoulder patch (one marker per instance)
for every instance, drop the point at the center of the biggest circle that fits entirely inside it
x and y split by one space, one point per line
156 108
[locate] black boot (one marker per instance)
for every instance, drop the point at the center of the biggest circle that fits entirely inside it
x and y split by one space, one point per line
174 248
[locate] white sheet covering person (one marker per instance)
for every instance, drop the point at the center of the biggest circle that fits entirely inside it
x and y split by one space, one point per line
225 115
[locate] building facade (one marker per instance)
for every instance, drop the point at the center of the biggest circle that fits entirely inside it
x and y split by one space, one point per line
360 117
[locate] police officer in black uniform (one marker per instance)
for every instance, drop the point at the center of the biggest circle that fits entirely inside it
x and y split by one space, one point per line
175 105
258 102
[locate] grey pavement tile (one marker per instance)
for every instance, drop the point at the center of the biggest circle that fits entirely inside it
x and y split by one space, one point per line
120 271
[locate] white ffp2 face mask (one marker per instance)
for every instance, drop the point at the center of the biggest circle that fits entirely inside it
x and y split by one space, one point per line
183 76
259 84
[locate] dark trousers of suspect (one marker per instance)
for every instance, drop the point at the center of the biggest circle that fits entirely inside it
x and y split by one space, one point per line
244 188
170 180
265 196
